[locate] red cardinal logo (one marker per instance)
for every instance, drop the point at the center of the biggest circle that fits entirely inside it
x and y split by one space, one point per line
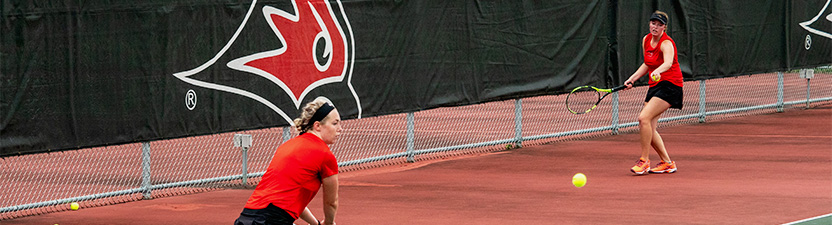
296 66
315 51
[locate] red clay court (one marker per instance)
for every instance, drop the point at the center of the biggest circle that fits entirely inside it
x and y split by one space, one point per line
765 169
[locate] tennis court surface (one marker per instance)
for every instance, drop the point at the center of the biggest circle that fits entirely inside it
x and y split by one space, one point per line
765 169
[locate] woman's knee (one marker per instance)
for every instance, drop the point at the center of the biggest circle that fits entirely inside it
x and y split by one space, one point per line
645 119
646 116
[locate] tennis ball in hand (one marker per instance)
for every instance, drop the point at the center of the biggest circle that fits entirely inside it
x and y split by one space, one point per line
74 206
656 77
579 180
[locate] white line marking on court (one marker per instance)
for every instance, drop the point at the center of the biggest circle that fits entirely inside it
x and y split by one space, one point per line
813 218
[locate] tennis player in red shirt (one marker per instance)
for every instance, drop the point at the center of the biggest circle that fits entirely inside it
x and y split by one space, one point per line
298 169
662 64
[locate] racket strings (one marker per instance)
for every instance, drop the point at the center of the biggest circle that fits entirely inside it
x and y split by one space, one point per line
582 100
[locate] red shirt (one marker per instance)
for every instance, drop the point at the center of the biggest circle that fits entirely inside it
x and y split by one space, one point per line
294 175
654 57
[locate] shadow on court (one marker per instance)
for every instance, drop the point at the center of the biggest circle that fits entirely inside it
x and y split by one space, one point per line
765 169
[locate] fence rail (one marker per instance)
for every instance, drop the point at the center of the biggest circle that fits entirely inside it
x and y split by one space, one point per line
43 183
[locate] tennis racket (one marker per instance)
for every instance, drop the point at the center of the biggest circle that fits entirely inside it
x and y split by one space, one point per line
585 98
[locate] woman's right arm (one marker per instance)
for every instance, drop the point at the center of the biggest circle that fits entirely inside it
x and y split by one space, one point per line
638 74
640 71
330 188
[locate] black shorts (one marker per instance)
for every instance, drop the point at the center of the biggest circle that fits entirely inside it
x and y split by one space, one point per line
271 215
668 92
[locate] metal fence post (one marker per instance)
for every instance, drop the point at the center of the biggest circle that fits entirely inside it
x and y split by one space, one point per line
615 109
702 102
411 136
287 133
779 91
245 167
807 74
243 141
518 123
146 171
808 92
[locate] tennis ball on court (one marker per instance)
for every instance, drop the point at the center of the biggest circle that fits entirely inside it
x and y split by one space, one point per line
579 180
74 206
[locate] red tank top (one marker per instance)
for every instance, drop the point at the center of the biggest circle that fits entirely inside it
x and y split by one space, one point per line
654 57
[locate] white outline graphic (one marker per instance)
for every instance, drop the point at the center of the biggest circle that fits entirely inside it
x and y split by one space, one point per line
239 64
806 24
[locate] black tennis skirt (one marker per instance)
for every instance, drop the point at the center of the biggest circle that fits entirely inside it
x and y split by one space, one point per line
271 215
668 92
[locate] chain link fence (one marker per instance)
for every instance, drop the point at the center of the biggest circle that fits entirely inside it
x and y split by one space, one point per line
44 183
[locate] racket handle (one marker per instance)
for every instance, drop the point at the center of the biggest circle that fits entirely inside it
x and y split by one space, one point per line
619 88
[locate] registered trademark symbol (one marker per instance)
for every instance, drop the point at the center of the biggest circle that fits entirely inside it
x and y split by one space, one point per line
190 100
808 42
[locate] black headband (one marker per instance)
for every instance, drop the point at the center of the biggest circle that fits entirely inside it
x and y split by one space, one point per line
322 112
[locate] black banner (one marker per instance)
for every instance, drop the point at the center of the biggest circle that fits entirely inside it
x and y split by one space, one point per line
731 38
82 74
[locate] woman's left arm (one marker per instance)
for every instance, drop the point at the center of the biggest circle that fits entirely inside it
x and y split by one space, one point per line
307 216
668 52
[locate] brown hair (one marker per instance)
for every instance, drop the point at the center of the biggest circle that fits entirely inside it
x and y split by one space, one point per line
302 124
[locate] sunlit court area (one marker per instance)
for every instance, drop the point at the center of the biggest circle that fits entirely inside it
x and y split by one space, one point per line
417 112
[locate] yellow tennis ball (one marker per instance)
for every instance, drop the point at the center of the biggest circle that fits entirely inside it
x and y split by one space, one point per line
655 77
74 206
579 180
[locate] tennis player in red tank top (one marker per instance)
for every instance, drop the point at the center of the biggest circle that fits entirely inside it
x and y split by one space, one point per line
661 63
298 169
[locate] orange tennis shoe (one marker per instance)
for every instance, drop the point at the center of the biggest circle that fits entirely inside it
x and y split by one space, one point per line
641 167
664 167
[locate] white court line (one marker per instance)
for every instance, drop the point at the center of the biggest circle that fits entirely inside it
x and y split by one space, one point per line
813 218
